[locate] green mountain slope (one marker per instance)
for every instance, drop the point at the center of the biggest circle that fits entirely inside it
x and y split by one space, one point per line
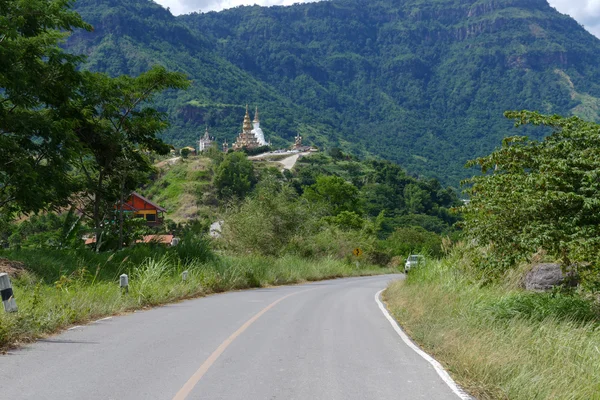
131 36
421 83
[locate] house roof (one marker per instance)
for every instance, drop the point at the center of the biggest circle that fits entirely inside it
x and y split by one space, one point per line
159 208
165 239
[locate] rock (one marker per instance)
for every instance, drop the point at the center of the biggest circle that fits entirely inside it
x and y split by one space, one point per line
216 229
12 268
544 277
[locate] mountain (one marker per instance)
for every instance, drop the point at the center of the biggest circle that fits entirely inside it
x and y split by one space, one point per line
421 83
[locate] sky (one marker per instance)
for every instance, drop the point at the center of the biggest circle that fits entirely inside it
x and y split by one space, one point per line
586 12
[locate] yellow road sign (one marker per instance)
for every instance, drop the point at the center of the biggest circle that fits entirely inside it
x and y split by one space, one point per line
357 252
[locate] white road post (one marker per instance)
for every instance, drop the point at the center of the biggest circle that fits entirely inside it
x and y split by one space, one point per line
184 275
8 299
124 281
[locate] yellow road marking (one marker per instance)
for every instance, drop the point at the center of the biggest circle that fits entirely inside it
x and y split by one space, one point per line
193 381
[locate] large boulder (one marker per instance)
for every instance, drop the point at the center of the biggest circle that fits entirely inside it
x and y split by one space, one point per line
544 277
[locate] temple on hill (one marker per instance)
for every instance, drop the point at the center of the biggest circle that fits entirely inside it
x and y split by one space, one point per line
205 141
251 136
260 136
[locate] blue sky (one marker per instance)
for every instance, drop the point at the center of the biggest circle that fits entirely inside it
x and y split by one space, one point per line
586 12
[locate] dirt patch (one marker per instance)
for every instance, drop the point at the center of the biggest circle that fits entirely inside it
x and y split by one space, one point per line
12 268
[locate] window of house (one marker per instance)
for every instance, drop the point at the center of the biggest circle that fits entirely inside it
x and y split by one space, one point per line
151 217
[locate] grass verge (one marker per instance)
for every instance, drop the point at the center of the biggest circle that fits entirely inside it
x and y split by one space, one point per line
82 295
499 343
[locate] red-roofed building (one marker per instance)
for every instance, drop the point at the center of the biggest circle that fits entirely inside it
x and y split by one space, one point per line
168 240
141 207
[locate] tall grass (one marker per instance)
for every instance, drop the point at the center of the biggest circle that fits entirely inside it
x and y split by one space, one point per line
46 306
501 343
52 264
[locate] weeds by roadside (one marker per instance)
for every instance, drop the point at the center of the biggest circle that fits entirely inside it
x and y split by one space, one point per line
501 343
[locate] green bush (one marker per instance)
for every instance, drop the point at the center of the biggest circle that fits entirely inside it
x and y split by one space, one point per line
539 306
268 220
411 240
50 265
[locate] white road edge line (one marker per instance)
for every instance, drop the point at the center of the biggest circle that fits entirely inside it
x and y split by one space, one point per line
103 319
75 327
436 365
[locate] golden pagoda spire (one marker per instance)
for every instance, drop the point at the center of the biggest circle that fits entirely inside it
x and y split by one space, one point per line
247 124
256 115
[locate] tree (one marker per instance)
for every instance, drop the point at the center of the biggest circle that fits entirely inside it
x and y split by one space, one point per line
116 129
185 152
417 200
414 239
540 195
336 193
234 176
37 82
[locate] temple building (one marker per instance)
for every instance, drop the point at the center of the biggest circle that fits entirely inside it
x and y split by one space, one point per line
247 138
205 141
260 136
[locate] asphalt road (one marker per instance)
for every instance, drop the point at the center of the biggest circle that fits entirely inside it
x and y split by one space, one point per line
324 340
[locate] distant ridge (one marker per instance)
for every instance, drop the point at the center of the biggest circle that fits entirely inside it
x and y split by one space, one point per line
422 83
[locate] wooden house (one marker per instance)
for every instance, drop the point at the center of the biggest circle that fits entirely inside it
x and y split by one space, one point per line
141 207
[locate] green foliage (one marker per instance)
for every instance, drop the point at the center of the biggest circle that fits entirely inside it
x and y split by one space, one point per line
421 83
37 82
334 193
257 151
346 220
267 221
540 195
541 306
117 127
234 176
66 131
413 240
112 232
383 190
185 152
50 264
501 342
47 230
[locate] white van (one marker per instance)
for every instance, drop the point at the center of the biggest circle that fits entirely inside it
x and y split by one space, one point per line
412 261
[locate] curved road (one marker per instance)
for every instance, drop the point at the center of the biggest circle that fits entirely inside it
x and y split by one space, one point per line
323 340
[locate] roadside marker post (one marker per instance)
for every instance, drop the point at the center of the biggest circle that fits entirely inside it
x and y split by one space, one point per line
124 282
184 275
8 299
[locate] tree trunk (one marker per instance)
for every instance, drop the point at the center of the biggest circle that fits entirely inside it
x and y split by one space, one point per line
97 218
121 216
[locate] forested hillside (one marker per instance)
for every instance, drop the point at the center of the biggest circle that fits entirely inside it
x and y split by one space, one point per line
423 84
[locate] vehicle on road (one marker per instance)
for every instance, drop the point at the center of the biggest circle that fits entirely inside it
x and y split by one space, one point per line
412 261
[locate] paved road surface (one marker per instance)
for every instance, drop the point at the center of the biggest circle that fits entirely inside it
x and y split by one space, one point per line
324 340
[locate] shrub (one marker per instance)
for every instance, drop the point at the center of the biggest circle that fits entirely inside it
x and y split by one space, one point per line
410 240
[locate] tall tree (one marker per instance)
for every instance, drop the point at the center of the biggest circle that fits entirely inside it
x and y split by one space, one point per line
235 176
336 193
541 195
37 82
117 128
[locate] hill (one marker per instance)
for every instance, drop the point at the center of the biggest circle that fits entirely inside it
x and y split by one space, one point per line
423 84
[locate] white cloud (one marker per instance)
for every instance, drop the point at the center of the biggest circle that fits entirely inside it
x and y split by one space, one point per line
586 12
187 6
